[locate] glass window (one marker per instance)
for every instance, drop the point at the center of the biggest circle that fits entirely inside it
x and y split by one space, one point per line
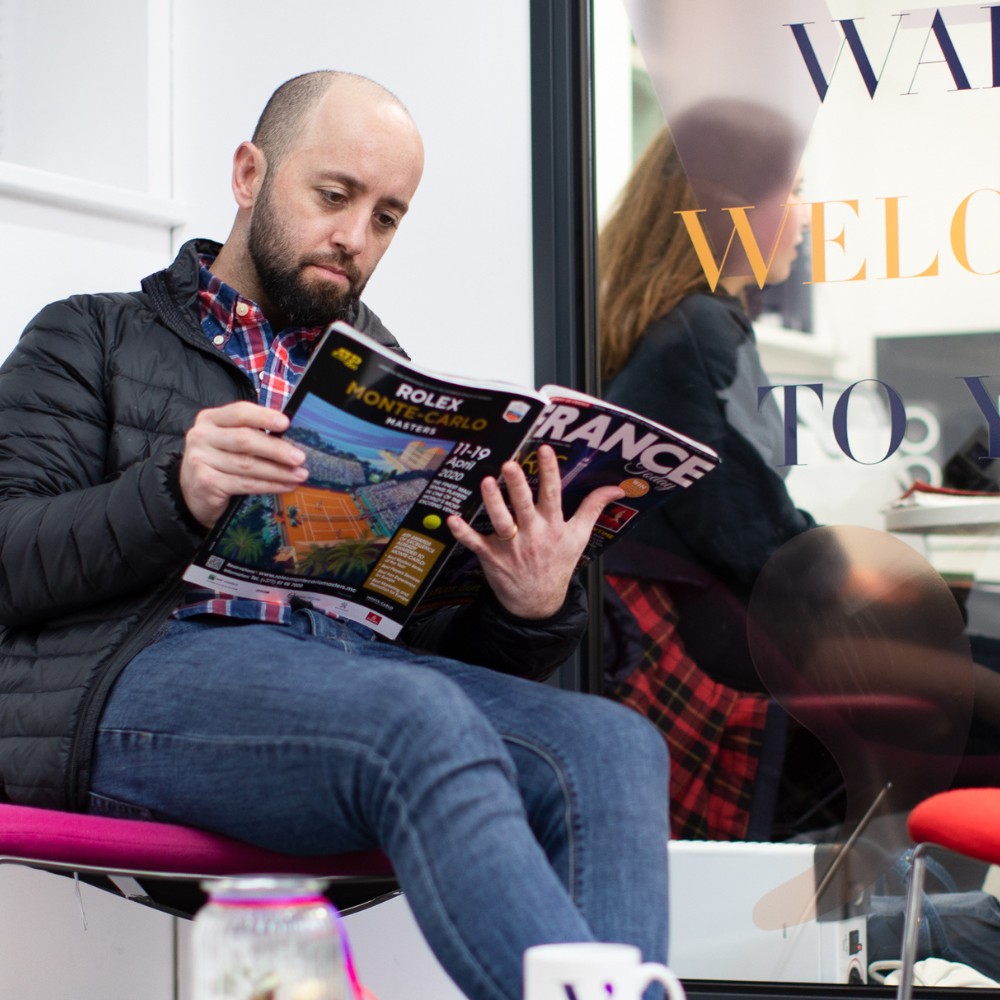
799 265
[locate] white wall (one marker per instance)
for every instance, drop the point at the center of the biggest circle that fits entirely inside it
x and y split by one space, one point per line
456 287
84 203
65 940
48 251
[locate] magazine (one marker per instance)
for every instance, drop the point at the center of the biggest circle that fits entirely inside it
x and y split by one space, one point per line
392 450
920 493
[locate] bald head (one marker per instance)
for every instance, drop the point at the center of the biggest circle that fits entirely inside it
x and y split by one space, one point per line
321 189
291 105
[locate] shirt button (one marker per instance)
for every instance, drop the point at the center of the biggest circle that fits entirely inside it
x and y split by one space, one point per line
242 309
218 340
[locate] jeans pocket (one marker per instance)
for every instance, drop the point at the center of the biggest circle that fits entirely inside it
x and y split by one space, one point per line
104 805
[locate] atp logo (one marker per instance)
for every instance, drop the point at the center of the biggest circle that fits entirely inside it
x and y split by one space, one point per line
347 358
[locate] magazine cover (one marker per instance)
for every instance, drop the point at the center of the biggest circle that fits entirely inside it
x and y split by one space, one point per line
597 444
392 451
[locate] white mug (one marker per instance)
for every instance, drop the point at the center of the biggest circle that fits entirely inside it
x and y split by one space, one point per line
593 971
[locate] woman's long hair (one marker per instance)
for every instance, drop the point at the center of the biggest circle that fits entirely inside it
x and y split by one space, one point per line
645 260
735 153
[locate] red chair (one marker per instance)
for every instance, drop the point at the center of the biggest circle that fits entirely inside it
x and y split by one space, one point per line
963 820
161 864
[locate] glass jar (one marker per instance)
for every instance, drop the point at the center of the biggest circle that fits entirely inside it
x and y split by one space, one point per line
267 939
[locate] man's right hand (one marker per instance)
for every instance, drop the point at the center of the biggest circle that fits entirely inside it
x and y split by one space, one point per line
228 453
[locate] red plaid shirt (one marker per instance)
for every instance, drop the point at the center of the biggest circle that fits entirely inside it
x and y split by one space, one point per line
716 734
273 362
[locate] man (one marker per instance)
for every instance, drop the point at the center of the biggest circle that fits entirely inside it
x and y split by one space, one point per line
514 813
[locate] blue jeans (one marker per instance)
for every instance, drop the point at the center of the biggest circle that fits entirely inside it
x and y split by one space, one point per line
514 813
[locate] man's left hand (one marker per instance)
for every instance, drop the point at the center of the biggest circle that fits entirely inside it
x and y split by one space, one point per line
530 559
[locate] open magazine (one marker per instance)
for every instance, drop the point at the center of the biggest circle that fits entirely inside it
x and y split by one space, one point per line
393 449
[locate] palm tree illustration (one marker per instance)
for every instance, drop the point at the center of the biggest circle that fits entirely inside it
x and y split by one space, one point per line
352 559
315 562
242 544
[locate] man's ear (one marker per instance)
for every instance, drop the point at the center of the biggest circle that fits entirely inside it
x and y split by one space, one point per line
249 167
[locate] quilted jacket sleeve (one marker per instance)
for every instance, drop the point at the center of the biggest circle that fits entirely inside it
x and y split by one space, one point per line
74 533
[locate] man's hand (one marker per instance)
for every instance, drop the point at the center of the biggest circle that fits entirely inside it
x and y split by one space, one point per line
227 453
529 561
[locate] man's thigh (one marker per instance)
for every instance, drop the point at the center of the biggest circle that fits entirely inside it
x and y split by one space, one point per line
532 713
224 725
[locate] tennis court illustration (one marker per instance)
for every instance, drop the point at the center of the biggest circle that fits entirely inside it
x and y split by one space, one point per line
363 479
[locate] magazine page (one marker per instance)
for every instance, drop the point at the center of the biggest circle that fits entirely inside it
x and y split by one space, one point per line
392 450
598 444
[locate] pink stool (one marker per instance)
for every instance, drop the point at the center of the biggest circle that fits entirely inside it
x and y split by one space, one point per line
137 856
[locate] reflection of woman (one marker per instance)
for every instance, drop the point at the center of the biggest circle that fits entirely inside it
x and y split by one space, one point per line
684 355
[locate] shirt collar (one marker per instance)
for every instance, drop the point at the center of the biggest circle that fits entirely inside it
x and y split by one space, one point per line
228 309
222 303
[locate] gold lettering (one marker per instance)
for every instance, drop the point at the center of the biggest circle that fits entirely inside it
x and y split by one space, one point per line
959 233
819 238
892 254
742 229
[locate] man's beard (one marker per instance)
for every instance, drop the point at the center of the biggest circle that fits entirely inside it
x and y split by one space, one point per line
280 274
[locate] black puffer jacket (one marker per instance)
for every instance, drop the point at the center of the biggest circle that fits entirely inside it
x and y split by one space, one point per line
94 404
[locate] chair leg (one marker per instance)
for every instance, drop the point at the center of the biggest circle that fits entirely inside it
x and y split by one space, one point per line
911 923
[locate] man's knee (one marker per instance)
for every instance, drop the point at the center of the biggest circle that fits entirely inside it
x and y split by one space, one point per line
429 718
624 739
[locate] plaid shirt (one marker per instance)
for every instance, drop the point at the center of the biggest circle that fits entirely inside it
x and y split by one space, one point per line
273 362
715 734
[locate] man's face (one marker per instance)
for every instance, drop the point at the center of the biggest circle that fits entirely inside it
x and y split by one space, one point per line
327 212
283 272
